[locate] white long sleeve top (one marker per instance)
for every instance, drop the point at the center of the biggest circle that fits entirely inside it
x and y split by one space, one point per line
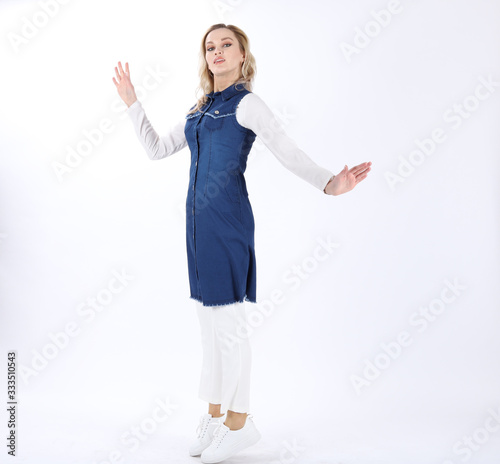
251 113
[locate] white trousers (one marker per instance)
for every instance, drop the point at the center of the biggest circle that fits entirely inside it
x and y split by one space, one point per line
227 356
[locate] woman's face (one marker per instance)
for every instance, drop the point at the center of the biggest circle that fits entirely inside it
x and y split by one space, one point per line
223 55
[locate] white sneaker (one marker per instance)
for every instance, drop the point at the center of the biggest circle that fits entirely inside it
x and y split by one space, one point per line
205 433
227 442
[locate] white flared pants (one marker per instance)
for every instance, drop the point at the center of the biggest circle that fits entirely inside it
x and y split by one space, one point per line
227 358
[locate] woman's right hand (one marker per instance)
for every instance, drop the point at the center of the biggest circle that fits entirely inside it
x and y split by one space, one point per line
124 86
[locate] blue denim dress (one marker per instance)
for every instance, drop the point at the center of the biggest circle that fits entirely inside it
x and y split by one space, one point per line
219 218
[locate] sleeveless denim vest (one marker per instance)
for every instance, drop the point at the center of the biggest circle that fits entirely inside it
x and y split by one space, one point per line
219 217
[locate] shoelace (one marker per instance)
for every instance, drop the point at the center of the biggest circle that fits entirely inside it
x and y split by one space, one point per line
202 426
219 435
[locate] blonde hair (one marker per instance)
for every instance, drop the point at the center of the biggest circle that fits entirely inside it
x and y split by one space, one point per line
248 67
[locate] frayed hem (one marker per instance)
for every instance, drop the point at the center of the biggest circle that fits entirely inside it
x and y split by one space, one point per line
224 303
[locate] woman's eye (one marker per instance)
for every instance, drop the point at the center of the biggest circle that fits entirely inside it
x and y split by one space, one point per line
211 48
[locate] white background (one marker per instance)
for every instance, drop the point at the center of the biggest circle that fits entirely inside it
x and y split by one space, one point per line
436 400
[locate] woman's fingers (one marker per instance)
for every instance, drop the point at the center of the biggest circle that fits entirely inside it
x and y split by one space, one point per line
121 73
361 168
121 69
360 175
362 165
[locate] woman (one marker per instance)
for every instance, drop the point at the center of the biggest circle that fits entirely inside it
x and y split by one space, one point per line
220 130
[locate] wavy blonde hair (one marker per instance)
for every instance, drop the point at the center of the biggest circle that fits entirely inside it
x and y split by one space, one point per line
248 67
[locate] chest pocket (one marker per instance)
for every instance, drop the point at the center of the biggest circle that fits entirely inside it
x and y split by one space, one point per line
192 120
215 120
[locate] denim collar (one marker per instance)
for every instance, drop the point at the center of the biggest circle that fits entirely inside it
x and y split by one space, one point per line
228 92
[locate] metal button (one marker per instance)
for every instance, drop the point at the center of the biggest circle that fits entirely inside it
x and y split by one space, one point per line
216 111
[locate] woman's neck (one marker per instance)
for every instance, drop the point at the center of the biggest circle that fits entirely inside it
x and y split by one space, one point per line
223 82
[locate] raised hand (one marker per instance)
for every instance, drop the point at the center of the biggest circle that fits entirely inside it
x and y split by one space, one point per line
124 85
346 179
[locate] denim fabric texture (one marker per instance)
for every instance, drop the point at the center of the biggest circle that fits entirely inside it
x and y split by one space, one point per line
219 217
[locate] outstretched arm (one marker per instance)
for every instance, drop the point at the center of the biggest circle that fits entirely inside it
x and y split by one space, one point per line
254 114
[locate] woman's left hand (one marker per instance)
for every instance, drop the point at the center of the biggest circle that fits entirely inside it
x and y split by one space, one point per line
346 179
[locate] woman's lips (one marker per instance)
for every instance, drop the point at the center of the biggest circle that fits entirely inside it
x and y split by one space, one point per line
218 62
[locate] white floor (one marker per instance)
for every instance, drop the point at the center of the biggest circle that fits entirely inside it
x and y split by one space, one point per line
51 435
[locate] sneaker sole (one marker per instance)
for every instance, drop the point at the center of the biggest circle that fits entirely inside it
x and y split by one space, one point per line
243 445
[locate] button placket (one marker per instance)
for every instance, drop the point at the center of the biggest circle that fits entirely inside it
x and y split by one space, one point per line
194 184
